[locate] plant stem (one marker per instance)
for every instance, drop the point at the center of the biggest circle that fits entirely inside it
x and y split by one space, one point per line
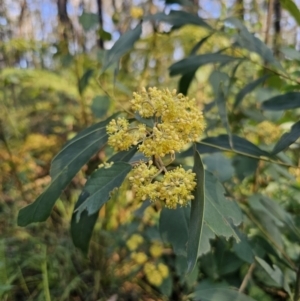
247 155
247 278
297 289
45 276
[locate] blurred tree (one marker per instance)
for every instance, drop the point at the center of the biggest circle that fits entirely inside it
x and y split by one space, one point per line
65 24
277 26
270 10
62 11
100 17
239 9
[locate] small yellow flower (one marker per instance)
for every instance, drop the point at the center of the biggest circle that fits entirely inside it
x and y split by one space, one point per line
156 250
106 165
136 12
131 245
163 269
152 274
139 257
155 278
149 267
134 241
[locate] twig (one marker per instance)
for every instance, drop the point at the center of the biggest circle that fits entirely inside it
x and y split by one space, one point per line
247 278
248 155
256 178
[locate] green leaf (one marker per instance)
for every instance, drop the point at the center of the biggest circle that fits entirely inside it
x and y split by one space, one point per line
221 215
122 46
217 293
185 82
206 235
100 185
269 224
104 35
166 287
290 100
84 80
220 218
243 249
258 204
292 8
213 144
220 166
228 262
275 273
178 18
263 247
277 213
5 288
287 138
220 82
64 167
192 63
291 53
173 227
82 230
248 89
123 156
197 214
248 41
244 166
199 44
187 78
100 105
232 77
88 20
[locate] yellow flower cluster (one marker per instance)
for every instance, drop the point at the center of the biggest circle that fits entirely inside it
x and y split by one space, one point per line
176 122
174 189
268 132
156 274
134 241
139 257
122 136
265 132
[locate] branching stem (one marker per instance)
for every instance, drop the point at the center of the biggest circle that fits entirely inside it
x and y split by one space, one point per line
248 155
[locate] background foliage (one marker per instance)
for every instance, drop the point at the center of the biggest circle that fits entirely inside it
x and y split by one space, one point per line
64 73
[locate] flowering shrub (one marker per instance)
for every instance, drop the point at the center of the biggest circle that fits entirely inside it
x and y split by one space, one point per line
204 219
